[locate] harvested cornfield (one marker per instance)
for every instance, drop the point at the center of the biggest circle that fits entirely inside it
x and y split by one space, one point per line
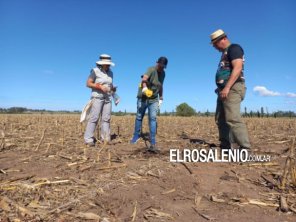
48 174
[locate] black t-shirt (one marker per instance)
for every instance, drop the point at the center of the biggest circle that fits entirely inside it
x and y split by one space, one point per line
235 51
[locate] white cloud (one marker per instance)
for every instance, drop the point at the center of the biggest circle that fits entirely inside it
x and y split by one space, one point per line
263 91
291 95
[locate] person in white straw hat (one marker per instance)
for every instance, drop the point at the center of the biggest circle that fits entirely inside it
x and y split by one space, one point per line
105 60
100 81
231 91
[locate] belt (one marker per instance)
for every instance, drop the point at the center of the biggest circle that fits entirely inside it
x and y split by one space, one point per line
240 79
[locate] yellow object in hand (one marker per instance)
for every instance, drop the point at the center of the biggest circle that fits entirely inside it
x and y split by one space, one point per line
148 93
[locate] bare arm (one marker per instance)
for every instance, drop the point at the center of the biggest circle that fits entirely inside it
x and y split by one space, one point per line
144 79
237 65
161 93
91 84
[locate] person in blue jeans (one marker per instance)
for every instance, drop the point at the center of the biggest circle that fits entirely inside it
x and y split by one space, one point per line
150 95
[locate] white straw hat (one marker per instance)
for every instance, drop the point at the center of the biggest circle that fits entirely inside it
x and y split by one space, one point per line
217 35
105 60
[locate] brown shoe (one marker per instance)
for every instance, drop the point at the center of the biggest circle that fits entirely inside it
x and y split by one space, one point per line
91 144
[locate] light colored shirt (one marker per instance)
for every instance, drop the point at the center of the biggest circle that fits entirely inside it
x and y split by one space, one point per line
105 79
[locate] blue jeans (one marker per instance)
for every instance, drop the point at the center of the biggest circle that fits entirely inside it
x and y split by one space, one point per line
152 112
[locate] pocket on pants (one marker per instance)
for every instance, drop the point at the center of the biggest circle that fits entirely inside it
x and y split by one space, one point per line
243 94
240 89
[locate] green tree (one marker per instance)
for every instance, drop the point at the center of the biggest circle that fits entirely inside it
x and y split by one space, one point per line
185 110
17 110
262 112
207 113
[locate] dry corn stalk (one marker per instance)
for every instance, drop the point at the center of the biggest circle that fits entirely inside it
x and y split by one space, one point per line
261 203
293 174
42 137
158 214
109 158
283 204
169 191
112 167
293 164
207 217
289 167
48 147
47 182
24 211
88 216
2 146
133 216
197 200
63 137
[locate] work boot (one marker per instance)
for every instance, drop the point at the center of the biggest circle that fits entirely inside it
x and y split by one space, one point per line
153 149
225 144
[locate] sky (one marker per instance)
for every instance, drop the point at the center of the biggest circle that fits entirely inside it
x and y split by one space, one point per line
48 47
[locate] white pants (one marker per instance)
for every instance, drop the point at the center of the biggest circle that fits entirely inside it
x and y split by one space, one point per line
101 107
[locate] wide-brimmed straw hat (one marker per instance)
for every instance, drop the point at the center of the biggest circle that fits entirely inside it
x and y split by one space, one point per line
217 35
105 60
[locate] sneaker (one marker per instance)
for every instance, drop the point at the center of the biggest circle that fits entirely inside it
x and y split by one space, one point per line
135 139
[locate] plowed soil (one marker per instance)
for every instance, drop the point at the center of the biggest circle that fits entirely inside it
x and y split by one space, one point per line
48 174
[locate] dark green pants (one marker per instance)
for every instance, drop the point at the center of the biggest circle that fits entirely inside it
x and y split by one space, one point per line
228 118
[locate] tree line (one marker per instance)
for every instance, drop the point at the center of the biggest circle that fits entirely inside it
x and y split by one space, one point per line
182 109
185 110
264 113
20 110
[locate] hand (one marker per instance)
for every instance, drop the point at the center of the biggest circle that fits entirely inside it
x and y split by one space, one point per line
103 88
117 101
160 102
144 90
224 93
97 86
114 88
147 92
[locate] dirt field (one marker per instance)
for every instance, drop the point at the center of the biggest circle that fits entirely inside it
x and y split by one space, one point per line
48 174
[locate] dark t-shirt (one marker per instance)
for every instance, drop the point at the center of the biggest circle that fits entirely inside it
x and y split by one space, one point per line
155 82
234 51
